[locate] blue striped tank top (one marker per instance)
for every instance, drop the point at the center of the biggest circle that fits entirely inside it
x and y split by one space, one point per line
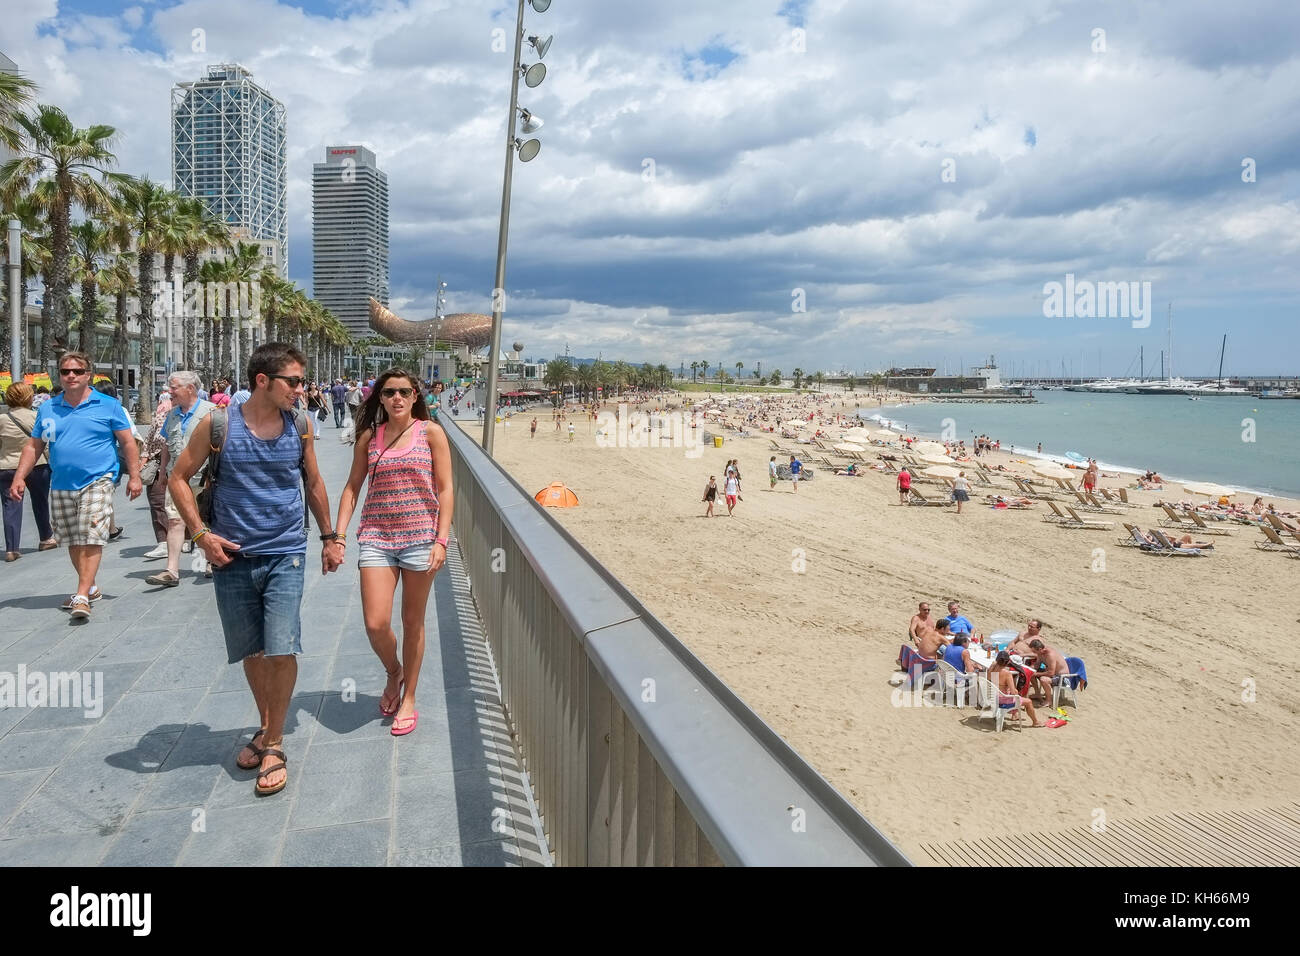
258 502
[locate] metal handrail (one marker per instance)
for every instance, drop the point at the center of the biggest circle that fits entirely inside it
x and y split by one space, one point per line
638 753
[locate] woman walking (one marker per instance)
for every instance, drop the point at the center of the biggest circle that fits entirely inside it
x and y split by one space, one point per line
960 490
15 429
710 495
405 523
155 450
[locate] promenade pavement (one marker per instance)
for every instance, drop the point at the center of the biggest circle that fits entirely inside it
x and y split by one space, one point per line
152 779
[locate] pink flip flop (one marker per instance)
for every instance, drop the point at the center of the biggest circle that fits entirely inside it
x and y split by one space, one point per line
411 721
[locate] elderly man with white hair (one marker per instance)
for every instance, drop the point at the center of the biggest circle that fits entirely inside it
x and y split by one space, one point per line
187 411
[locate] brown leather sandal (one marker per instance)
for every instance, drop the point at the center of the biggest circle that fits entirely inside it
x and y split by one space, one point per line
257 751
262 791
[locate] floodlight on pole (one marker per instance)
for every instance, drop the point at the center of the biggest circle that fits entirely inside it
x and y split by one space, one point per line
527 149
532 123
540 45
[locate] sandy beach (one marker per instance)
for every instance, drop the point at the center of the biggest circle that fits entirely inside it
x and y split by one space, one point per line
800 602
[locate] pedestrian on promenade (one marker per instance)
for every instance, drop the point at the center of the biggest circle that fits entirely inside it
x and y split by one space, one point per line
187 411
353 400
257 539
153 472
16 428
338 399
405 522
83 430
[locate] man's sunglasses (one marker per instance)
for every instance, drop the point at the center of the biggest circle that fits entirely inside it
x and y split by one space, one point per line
404 392
74 371
293 381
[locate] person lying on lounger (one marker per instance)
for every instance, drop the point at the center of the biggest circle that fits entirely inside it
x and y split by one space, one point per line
1014 501
1186 541
851 471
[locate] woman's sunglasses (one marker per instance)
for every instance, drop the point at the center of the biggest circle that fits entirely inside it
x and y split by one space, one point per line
404 392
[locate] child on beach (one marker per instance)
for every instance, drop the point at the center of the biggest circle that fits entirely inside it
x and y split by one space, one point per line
710 493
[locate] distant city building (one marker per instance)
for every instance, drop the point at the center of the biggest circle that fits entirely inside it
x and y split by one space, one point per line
228 150
349 233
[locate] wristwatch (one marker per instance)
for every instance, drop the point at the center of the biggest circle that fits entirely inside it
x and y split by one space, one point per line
332 536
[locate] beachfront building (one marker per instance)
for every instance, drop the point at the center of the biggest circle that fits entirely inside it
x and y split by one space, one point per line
228 150
349 203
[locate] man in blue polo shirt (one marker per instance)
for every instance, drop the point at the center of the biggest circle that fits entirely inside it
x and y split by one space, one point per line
957 624
82 429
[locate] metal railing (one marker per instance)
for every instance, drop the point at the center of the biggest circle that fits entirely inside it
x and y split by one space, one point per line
637 753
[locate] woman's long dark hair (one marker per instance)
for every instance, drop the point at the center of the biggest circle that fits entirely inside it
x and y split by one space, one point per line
372 412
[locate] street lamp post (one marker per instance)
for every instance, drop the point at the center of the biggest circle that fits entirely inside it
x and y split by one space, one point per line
527 150
15 301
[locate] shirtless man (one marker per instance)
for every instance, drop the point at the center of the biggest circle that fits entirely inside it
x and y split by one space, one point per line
933 640
1050 664
1021 645
920 623
1003 676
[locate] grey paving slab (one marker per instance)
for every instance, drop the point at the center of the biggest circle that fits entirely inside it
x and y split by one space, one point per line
15 788
152 838
151 779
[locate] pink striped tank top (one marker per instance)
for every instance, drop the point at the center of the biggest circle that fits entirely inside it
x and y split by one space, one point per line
401 506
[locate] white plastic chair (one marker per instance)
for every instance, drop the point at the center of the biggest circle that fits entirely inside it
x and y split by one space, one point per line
988 697
953 684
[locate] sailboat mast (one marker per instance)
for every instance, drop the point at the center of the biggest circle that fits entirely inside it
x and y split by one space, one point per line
1170 333
1142 375
1222 348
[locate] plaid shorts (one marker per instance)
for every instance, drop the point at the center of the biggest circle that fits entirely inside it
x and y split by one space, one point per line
83 517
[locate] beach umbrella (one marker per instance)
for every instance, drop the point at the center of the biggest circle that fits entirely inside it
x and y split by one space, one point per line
1075 456
848 446
1050 469
934 459
942 471
929 447
883 435
795 423
1209 489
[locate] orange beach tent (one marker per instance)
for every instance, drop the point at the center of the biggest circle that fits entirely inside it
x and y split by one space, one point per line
556 495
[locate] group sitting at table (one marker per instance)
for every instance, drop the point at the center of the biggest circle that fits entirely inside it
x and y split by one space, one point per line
1023 672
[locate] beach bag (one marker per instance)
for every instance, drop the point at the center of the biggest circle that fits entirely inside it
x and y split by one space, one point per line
220 420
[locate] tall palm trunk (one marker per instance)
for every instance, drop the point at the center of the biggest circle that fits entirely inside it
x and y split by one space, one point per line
227 331
144 269
89 302
189 346
169 300
120 337
59 290
47 322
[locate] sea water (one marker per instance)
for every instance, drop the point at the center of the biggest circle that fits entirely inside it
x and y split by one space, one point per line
1245 443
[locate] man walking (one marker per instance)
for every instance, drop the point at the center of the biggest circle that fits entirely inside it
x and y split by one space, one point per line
338 398
83 429
257 541
355 396
187 411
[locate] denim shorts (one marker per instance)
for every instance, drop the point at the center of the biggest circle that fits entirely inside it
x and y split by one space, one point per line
259 598
414 557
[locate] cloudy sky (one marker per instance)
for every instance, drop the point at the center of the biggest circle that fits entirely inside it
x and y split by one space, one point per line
919 169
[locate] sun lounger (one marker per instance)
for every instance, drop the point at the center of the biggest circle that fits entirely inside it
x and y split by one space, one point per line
1204 526
1091 504
1174 549
919 499
1175 520
1133 539
1057 516
1086 524
1274 542
1028 491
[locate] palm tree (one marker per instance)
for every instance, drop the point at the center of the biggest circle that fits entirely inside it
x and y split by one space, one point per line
118 280
35 248
775 377
704 372
66 166
798 378
90 243
665 375
557 374
585 379
201 230
16 93
145 206
694 367
243 267
819 378
212 276
739 366
877 379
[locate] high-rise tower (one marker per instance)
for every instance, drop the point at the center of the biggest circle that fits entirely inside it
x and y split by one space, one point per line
228 149
349 204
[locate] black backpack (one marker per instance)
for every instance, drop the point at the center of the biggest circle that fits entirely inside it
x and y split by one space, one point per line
220 421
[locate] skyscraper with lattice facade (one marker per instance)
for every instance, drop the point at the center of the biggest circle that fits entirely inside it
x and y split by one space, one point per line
228 150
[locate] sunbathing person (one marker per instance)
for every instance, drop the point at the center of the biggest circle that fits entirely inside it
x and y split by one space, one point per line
851 471
1186 541
1003 674
1014 501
